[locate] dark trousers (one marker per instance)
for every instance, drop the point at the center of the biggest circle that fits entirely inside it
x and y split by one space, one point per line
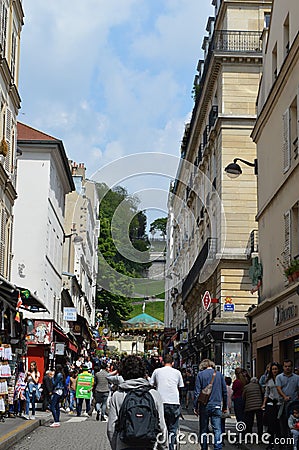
80 404
46 401
249 419
239 409
272 422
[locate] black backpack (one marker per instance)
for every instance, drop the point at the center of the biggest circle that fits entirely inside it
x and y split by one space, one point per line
138 421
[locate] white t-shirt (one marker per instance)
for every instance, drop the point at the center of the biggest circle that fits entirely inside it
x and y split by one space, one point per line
168 381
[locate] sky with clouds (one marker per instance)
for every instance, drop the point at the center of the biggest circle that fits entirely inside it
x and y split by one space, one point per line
111 78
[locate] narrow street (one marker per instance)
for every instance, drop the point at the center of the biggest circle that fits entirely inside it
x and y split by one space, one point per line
86 433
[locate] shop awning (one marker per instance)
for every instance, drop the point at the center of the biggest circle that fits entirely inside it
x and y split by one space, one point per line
30 302
11 294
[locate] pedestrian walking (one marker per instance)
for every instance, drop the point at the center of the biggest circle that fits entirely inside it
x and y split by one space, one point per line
190 384
84 378
101 392
253 400
168 382
270 405
237 387
73 380
148 423
58 387
287 384
216 405
32 389
293 423
47 390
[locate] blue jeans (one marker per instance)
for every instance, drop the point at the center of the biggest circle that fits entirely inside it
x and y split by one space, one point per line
55 406
172 415
30 397
72 399
213 412
101 402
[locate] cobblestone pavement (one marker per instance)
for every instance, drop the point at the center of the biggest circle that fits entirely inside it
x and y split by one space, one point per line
88 434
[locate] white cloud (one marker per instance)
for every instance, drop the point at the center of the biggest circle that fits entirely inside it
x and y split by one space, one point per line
110 78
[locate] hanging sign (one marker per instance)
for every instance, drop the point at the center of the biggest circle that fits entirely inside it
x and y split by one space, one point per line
70 314
206 300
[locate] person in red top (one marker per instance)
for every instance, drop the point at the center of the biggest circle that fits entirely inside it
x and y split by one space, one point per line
237 388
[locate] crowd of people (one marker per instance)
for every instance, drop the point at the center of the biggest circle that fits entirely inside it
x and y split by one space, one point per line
272 400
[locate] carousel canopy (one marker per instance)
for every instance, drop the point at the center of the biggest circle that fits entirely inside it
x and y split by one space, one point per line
143 321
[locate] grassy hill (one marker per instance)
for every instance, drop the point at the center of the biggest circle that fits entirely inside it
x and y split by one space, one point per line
155 309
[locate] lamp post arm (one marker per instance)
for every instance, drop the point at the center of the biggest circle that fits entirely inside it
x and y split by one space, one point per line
254 164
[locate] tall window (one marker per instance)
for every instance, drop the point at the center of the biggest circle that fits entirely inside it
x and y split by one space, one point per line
3 26
286 37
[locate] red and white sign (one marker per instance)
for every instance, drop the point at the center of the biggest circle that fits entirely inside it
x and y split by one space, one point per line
206 300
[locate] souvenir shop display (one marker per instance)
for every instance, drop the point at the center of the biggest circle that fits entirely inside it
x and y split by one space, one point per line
6 379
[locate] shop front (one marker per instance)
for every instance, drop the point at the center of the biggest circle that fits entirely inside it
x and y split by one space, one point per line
227 344
275 330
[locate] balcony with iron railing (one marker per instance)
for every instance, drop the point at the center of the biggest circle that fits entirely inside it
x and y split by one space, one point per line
237 41
208 251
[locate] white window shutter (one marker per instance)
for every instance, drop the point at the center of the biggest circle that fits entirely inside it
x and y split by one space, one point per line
286 147
287 238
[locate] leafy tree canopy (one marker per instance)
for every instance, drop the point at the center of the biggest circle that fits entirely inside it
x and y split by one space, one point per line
159 224
123 246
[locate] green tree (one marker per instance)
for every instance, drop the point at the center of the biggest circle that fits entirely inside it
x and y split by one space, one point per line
123 246
159 224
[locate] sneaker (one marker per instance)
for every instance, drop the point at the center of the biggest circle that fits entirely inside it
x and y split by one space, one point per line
55 425
104 419
85 414
25 416
67 410
71 412
32 417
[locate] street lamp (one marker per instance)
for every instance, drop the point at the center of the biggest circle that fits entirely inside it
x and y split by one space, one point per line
106 314
233 169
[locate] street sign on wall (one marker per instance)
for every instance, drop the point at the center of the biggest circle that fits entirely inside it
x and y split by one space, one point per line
70 314
206 300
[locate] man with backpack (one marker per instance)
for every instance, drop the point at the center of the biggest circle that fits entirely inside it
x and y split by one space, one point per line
168 382
136 419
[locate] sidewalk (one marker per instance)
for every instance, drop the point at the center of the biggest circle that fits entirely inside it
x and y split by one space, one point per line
13 430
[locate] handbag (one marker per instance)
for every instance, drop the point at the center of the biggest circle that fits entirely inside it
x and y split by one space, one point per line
205 393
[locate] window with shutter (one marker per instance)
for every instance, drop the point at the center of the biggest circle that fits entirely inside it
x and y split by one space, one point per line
2 239
8 131
287 238
286 141
3 26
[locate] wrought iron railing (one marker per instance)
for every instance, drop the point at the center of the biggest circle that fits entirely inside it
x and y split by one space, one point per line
208 251
237 41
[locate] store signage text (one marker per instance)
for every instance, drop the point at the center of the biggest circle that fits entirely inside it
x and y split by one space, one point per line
282 314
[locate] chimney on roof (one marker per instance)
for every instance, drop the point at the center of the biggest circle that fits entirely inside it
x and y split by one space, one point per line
78 170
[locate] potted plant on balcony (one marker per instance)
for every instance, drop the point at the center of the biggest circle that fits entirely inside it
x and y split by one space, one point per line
291 271
295 269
